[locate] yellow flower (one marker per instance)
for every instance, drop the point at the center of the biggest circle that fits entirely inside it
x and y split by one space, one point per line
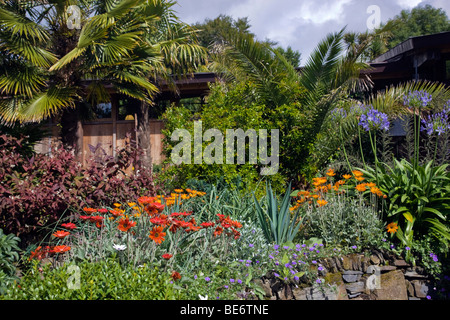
131 204
178 190
117 205
330 173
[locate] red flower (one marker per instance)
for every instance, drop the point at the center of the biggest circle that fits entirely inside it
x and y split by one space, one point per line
85 217
69 225
167 256
61 234
60 249
218 231
176 276
103 211
207 224
154 208
192 227
125 224
162 221
177 214
38 253
146 200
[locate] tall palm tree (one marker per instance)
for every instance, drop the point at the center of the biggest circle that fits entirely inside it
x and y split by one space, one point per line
49 67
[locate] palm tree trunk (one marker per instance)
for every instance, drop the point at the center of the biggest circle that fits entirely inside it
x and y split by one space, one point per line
143 136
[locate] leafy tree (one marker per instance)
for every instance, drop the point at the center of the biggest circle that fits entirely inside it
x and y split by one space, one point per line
293 56
419 21
49 66
214 31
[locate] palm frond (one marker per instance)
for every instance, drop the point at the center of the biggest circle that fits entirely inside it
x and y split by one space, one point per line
20 26
321 66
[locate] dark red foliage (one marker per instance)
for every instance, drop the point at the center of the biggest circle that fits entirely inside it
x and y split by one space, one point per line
36 191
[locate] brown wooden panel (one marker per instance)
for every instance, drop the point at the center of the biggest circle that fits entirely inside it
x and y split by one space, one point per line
93 134
156 140
124 128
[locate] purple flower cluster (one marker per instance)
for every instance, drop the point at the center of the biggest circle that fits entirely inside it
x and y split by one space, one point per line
374 120
435 257
437 123
420 99
338 114
293 260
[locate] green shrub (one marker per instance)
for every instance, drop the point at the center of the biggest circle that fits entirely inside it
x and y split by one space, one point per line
417 197
9 255
104 280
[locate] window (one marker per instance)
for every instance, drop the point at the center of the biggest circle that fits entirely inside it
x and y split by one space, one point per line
127 108
104 111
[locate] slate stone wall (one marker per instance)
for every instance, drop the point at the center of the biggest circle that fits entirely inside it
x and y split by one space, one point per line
378 275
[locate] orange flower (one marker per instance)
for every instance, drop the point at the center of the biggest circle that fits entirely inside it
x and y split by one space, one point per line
125 224
361 187
359 178
347 176
357 173
392 227
89 210
61 234
319 181
322 202
330 173
60 249
157 234
178 190
176 276
376 191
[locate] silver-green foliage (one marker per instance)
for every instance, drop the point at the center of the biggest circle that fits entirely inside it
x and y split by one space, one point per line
344 222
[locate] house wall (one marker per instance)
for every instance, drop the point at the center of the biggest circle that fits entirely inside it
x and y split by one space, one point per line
110 135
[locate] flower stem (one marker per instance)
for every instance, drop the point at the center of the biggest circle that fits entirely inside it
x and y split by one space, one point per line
343 148
360 147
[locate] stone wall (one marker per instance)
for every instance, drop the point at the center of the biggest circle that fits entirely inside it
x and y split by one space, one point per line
377 275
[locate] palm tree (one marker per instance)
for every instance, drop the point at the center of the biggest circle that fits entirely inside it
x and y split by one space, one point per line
327 78
48 67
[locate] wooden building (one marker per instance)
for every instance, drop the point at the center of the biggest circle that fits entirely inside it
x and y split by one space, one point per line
113 121
418 58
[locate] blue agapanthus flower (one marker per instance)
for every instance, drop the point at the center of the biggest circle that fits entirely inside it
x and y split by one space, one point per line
436 123
420 99
373 120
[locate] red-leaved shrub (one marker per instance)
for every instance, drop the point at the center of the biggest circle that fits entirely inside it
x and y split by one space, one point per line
36 191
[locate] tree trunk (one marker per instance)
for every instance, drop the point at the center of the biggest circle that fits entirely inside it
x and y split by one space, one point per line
143 136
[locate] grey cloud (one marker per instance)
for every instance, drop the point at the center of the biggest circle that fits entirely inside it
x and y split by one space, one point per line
300 24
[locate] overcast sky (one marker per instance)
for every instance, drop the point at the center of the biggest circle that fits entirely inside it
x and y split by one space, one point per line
300 24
